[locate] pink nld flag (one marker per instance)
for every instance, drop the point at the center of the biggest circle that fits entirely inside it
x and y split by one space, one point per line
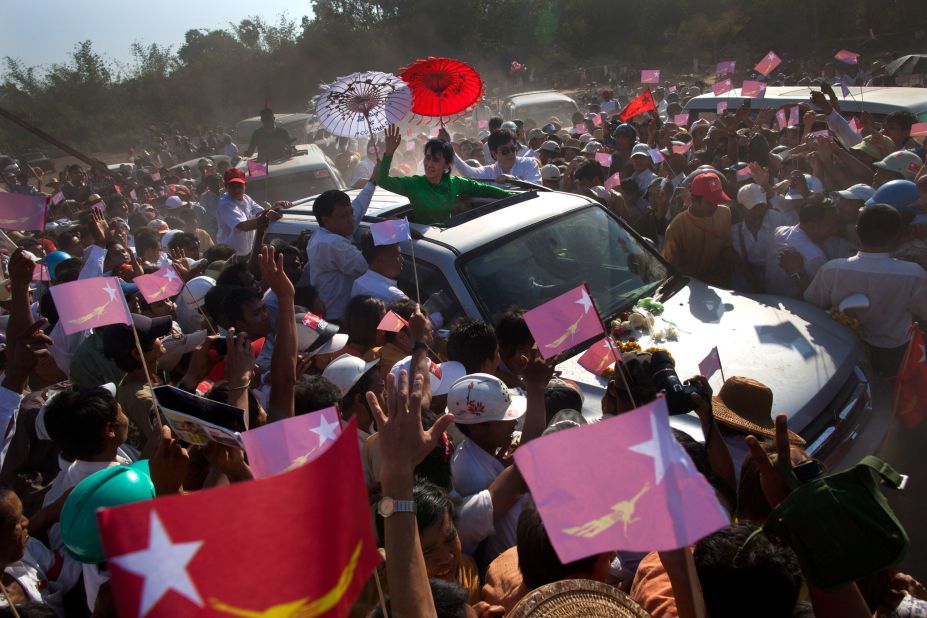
643 495
917 130
392 322
597 358
721 87
681 119
580 128
41 273
161 284
721 107
656 155
613 181
650 76
597 120
781 118
769 62
752 89
390 232
604 159
57 198
22 212
725 67
793 117
90 303
564 322
682 148
482 124
256 170
290 443
847 57
857 126
711 363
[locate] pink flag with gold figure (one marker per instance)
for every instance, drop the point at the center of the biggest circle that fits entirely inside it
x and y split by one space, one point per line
290 443
90 303
161 284
564 322
644 493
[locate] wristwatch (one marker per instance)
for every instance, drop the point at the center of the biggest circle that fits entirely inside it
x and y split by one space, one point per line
419 345
387 506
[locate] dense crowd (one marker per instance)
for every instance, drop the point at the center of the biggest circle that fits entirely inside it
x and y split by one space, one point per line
820 208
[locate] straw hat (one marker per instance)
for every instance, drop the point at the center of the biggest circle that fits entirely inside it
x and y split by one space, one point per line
746 405
577 597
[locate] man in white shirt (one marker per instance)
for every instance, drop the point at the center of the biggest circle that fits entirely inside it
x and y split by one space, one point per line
486 413
504 151
364 168
608 104
752 236
239 215
333 261
384 265
897 290
795 254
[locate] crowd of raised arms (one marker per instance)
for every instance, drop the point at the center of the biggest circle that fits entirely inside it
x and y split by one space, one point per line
802 201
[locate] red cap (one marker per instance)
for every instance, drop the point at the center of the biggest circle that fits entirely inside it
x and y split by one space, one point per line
234 174
708 187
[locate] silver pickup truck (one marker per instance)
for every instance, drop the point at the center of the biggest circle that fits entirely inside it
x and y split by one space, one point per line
536 245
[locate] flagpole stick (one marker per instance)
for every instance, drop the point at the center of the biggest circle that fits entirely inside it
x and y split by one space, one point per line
418 296
13 605
372 138
619 367
141 354
376 578
896 390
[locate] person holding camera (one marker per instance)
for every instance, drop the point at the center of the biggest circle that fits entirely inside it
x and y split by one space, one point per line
653 374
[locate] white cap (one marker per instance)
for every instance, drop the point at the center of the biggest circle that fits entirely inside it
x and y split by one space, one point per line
316 336
173 202
481 398
550 172
902 162
750 195
482 134
640 149
443 375
167 236
585 138
592 148
195 290
857 192
346 370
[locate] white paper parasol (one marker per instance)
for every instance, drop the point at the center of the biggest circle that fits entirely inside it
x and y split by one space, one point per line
360 104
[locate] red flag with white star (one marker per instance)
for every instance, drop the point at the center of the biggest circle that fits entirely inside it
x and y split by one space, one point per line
641 104
911 383
296 544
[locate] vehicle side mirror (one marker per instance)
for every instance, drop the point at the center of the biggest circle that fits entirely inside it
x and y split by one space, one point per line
854 301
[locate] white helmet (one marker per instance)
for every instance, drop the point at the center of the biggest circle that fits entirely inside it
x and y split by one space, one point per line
195 290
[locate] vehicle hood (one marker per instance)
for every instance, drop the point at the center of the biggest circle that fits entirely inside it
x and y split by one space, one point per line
792 347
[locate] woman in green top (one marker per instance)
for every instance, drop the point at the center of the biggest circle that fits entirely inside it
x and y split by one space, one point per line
433 194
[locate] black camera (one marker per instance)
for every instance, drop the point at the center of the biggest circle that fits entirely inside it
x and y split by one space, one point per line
678 394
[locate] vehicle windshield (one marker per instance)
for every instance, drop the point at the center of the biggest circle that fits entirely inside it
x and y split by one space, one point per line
291 187
589 246
541 113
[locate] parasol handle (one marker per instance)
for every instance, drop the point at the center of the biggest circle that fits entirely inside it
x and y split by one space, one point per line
372 137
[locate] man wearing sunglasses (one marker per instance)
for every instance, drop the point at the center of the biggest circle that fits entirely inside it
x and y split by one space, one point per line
504 151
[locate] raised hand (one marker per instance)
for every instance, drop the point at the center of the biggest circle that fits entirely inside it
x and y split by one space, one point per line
393 138
273 275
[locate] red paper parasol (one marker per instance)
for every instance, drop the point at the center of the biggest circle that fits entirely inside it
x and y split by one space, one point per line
441 86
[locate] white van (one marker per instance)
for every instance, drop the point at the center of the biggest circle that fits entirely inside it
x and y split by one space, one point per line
878 100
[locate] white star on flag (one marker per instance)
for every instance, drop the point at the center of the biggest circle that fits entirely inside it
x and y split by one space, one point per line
171 275
111 291
325 431
663 448
585 301
163 565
